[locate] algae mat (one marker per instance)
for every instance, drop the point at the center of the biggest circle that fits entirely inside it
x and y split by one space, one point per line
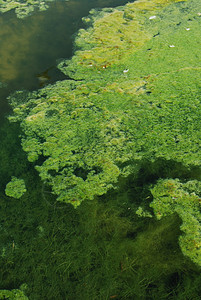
134 96
24 8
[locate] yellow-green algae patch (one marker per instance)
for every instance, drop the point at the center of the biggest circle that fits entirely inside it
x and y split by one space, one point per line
171 196
16 294
136 99
25 7
15 188
114 36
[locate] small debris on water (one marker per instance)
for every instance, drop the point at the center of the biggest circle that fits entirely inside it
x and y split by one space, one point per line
152 17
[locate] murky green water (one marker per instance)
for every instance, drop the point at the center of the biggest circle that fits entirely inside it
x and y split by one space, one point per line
30 47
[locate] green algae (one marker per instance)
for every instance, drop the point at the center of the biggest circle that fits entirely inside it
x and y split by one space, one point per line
133 98
24 8
90 133
115 35
13 295
109 134
15 188
171 196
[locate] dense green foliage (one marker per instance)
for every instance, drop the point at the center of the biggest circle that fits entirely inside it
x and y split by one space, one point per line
128 117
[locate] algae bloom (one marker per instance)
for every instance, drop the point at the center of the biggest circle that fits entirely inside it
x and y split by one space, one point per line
129 102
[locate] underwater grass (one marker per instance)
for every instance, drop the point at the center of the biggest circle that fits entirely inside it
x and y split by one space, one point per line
97 251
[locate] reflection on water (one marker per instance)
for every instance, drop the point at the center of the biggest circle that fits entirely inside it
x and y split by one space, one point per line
44 77
29 47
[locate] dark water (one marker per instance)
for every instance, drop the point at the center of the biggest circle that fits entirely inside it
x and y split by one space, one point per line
30 47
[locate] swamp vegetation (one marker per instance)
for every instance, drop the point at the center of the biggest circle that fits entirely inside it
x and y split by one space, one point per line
107 203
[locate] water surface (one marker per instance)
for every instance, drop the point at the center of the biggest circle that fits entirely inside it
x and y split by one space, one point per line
30 47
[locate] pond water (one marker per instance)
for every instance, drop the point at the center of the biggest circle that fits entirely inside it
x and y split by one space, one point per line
103 249
30 47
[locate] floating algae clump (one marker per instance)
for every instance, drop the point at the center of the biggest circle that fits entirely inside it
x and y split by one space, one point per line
15 188
23 8
16 294
136 98
171 196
